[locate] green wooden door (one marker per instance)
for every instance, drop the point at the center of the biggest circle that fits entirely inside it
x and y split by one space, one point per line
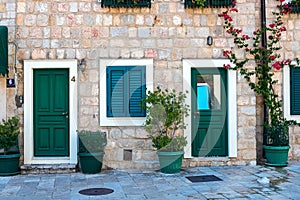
51 108
209 112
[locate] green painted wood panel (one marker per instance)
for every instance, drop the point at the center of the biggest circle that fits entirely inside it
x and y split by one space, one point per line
295 90
51 108
209 123
3 50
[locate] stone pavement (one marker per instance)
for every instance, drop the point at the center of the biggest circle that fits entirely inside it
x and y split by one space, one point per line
238 182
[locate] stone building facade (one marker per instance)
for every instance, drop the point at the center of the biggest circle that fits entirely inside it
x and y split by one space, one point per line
173 38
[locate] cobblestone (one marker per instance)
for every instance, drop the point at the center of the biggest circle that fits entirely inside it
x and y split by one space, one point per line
238 182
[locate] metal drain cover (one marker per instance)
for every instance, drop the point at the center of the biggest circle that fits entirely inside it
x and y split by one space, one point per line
205 178
96 191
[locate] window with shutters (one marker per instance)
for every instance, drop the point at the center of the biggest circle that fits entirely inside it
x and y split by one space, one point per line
291 93
126 89
123 85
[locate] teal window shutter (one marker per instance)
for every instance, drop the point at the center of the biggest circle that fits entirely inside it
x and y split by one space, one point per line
115 92
295 90
137 91
125 90
3 50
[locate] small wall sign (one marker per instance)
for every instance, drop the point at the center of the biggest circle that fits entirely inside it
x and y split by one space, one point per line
10 83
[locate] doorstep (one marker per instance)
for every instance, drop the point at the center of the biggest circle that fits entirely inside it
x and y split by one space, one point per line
48 168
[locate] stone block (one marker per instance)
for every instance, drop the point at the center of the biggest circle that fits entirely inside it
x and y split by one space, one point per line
115 133
141 133
93 76
84 7
129 133
21 7
164 54
143 32
189 53
248 110
246 154
107 20
117 43
38 54
150 53
137 53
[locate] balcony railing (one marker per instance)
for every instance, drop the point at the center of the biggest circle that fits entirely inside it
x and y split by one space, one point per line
126 3
295 6
208 3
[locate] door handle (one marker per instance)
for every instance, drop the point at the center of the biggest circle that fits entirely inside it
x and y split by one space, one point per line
64 113
197 113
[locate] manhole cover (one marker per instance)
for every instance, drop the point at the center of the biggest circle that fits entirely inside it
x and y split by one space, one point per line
205 178
96 191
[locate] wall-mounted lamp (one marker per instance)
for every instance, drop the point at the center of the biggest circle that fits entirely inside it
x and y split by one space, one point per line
82 65
19 100
209 40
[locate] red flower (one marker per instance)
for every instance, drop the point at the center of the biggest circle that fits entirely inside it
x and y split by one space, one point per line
234 9
277 65
227 17
226 53
282 28
237 30
245 37
272 57
256 32
278 35
226 66
230 30
272 25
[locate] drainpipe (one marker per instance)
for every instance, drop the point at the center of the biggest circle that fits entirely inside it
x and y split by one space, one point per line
264 44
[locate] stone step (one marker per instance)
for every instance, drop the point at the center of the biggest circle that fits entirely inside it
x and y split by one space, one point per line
48 169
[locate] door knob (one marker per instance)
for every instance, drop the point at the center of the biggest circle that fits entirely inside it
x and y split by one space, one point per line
197 113
64 113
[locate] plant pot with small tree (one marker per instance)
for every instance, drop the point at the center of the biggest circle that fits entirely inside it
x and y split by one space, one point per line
164 123
9 150
91 146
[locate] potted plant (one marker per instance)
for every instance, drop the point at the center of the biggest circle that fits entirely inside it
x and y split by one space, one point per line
164 123
9 151
262 79
91 150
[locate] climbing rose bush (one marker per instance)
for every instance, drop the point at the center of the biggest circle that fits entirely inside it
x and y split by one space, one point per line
267 58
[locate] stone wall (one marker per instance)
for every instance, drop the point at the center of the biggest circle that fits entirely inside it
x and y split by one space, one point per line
167 32
8 18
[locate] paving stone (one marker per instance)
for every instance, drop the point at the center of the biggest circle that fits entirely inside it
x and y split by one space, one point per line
238 183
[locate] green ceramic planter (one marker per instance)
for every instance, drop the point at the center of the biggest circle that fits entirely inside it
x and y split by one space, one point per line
91 163
277 156
170 162
9 164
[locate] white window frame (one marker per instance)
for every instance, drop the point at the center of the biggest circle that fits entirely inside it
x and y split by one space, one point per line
121 121
188 64
287 96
